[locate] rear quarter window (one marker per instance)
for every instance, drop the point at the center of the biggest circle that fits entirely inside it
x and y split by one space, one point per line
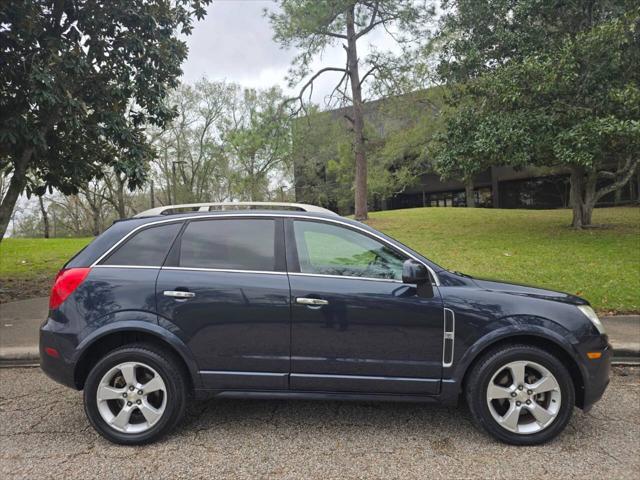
149 247
238 244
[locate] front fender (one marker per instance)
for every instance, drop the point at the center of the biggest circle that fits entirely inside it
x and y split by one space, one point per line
506 328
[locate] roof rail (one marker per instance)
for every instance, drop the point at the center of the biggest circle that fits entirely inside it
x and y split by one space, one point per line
207 207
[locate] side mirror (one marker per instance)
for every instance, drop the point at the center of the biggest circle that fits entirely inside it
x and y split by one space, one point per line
416 273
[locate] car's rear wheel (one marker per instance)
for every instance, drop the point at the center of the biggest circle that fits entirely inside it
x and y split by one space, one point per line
520 394
135 394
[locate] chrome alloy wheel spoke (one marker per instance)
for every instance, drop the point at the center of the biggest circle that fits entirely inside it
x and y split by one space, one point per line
106 392
496 392
545 384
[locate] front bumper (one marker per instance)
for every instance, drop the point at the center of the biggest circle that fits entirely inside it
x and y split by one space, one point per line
597 378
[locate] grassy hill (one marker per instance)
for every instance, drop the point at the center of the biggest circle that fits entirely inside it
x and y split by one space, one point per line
28 265
527 246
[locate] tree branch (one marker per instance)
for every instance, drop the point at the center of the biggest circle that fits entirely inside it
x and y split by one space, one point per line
308 84
372 21
623 175
330 34
369 72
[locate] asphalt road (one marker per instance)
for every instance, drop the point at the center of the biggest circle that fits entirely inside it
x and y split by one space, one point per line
44 433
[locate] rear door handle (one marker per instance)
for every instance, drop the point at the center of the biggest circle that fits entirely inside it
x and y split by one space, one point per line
316 302
178 294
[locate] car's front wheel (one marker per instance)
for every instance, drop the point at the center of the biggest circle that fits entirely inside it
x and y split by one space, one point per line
520 394
135 394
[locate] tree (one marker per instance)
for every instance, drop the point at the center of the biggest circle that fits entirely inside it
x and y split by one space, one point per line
470 142
457 155
410 122
310 157
190 164
312 26
551 84
114 192
398 129
81 80
257 141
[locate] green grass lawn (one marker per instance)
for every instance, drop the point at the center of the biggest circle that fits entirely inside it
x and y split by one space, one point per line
28 256
528 246
28 265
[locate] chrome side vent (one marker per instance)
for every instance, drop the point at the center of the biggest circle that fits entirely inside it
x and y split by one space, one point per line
448 337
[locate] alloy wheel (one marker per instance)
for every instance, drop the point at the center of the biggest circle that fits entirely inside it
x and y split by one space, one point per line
131 397
523 397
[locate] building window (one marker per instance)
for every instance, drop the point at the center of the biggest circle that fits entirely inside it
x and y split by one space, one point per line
453 198
541 192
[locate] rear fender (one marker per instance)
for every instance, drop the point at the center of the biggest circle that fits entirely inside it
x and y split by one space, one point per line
143 322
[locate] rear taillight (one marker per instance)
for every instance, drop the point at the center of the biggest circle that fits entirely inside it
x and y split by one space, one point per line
65 283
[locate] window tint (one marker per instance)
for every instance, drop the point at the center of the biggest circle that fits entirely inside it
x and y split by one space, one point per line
333 250
148 247
241 244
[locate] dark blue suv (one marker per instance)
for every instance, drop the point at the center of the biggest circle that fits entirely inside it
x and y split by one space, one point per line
301 303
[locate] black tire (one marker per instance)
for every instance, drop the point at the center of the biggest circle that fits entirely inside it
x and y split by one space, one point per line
478 382
167 366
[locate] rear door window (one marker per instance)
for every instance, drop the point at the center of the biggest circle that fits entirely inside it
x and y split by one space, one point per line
148 247
233 244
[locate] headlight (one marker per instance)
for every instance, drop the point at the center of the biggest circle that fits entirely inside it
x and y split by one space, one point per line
591 315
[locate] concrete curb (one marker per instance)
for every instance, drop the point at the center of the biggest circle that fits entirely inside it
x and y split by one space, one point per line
19 356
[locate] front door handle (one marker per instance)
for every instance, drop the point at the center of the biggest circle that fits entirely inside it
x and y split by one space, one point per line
315 302
178 294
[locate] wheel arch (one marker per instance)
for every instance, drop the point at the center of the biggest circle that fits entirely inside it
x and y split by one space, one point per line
94 348
544 342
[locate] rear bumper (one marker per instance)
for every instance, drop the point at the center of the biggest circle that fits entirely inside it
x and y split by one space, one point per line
59 369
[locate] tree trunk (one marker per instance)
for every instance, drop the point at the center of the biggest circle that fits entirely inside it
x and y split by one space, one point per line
153 195
576 196
96 222
16 185
585 194
45 216
122 211
469 194
589 197
252 182
358 120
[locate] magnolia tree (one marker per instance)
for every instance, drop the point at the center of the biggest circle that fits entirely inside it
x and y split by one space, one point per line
78 84
544 84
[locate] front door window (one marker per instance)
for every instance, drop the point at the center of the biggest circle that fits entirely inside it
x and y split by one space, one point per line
332 250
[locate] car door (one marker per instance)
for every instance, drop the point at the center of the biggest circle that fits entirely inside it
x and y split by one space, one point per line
224 290
355 326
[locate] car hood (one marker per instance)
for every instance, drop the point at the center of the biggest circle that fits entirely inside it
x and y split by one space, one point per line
528 291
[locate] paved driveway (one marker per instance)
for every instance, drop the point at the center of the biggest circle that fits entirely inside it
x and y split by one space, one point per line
44 434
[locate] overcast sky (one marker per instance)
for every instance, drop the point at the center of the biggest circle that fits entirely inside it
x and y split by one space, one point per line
235 42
